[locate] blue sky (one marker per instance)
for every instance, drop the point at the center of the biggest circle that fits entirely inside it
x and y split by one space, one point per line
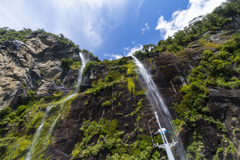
108 28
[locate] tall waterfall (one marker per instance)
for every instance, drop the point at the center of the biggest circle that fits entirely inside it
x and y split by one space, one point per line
159 106
84 62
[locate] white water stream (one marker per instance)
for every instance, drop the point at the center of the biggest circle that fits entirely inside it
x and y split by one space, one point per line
84 62
159 107
31 150
37 135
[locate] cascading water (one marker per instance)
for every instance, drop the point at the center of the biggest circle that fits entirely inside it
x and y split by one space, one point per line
159 107
84 62
37 135
61 111
31 150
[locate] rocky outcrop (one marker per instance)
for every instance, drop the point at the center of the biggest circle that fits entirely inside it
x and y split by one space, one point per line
33 65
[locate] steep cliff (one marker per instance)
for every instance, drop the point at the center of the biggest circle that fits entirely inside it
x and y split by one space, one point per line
197 75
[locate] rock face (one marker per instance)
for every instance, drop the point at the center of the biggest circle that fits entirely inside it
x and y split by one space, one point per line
34 65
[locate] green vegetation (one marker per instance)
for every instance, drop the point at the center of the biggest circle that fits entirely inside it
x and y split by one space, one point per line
107 103
16 143
194 150
10 34
116 71
199 25
213 70
57 95
66 63
86 103
111 139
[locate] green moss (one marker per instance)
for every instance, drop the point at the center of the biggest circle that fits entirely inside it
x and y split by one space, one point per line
86 103
130 69
58 83
131 85
57 95
32 95
139 93
106 103
21 109
231 149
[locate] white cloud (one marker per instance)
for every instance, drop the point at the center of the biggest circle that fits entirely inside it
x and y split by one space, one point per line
128 51
181 18
116 56
147 27
86 22
131 51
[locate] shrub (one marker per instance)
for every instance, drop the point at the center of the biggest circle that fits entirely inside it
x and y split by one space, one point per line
32 95
21 109
66 63
57 94
111 127
5 111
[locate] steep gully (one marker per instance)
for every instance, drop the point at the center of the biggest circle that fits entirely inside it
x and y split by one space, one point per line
62 111
160 108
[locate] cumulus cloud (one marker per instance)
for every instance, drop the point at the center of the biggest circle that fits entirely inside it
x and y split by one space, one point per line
181 18
128 51
147 27
116 56
131 50
85 22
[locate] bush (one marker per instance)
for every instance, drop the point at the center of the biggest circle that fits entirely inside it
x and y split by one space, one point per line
21 109
32 95
5 111
66 63
111 127
57 95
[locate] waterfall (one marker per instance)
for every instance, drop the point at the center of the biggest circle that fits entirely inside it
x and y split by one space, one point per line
31 150
84 62
159 107
34 144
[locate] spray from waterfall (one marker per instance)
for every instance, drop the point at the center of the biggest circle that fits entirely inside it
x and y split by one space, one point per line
84 62
159 107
